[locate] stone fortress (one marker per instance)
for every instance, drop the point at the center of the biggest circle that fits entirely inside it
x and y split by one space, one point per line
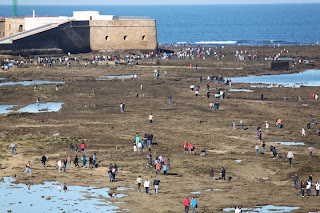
85 31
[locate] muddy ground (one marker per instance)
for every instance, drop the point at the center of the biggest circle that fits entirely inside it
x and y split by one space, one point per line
91 113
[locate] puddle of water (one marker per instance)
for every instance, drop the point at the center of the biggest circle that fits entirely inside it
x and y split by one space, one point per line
238 161
290 143
17 197
43 107
266 209
195 193
123 188
306 78
2 78
111 77
4 109
27 83
209 190
240 90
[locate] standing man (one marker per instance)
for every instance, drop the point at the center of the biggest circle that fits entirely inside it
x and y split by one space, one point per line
121 107
13 148
156 183
267 126
310 151
38 100
170 99
94 157
43 160
28 168
146 185
223 173
233 125
308 126
186 204
263 148
290 156
241 125
194 205
296 181
150 118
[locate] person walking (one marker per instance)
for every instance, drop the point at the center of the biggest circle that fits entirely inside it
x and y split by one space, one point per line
43 160
211 174
170 99
146 185
308 126
241 125
150 118
94 157
13 148
156 183
139 180
263 148
164 168
296 181
267 126
186 204
257 149
59 165
233 125
76 161
28 168
65 165
194 205
121 107
84 160
290 156
308 187
302 187
303 132
317 187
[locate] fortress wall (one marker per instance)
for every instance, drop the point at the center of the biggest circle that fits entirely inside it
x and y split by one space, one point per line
70 37
2 28
13 26
123 35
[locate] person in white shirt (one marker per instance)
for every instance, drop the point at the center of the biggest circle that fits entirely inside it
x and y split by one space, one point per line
303 132
139 180
317 188
147 185
257 149
290 156
267 126
150 117
59 165
308 188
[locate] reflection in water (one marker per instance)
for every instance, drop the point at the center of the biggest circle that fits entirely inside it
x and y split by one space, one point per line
290 143
42 107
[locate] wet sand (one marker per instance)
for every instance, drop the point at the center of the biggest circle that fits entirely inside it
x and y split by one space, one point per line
91 113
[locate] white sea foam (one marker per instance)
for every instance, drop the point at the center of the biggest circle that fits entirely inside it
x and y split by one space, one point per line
216 42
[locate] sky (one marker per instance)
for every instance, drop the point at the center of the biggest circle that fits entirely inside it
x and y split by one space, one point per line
151 2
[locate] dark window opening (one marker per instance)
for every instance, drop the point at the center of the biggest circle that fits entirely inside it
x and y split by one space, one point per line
20 28
125 38
107 38
90 17
143 37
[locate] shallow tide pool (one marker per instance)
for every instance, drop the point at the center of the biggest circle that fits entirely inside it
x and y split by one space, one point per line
27 83
266 209
47 198
306 78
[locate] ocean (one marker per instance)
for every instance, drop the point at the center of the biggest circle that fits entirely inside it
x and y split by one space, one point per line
284 24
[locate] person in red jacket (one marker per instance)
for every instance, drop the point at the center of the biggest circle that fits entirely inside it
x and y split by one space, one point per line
191 148
186 204
186 147
83 146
